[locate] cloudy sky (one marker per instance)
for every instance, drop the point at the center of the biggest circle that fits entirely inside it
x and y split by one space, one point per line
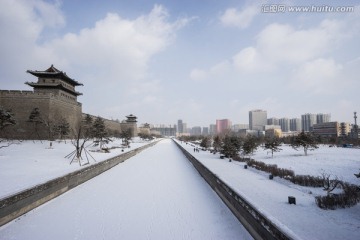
192 60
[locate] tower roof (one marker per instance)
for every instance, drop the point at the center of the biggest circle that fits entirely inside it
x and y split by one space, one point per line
53 72
131 118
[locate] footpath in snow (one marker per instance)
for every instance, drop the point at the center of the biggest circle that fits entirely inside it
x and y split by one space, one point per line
301 221
156 194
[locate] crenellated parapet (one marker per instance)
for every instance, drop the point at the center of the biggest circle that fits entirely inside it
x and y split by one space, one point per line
17 93
23 94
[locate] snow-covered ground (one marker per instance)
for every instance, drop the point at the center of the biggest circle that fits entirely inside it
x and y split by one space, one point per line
303 220
156 194
30 163
142 190
337 161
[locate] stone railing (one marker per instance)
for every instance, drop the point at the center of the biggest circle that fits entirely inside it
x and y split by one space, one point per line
256 223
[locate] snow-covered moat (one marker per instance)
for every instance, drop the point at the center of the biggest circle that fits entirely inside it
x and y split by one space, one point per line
156 194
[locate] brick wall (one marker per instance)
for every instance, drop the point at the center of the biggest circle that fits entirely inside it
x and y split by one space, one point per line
52 109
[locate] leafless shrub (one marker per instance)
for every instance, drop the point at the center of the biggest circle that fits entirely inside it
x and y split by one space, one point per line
349 198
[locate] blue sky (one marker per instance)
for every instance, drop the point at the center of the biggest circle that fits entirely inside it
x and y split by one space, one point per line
192 60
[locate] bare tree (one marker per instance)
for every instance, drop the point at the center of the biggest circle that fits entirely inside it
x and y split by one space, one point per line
82 136
330 184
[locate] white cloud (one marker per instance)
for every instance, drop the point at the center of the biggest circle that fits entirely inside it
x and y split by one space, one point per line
50 15
282 43
143 88
318 76
22 22
249 60
346 107
115 43
279 44
239 18
198 74
219 70
115 49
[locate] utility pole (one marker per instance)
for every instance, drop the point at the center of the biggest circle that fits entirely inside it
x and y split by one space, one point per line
356 132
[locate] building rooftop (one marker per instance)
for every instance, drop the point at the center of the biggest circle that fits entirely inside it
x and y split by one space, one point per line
131 118
53 72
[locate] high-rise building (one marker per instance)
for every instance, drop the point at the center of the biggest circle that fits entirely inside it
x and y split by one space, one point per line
185 129
345 129
323 118
285 124
223 125
257 120
180 128
205 131
212 128
273 121
307 121
196 131
295 124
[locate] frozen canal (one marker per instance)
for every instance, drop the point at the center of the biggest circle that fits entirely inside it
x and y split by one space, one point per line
155 195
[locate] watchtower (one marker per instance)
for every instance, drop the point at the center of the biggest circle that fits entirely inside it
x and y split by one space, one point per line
55 98
130 124
55 82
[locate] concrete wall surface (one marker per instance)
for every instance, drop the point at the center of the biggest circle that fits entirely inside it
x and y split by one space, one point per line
258 225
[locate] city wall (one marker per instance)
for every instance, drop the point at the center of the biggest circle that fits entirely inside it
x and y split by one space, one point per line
257 224
112 125
16 205
52 109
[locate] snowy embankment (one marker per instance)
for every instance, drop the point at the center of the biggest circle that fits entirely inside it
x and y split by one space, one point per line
337 161
157 194
303 220
30 163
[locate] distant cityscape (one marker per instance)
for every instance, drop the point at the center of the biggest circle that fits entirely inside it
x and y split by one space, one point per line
260 125
53 102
